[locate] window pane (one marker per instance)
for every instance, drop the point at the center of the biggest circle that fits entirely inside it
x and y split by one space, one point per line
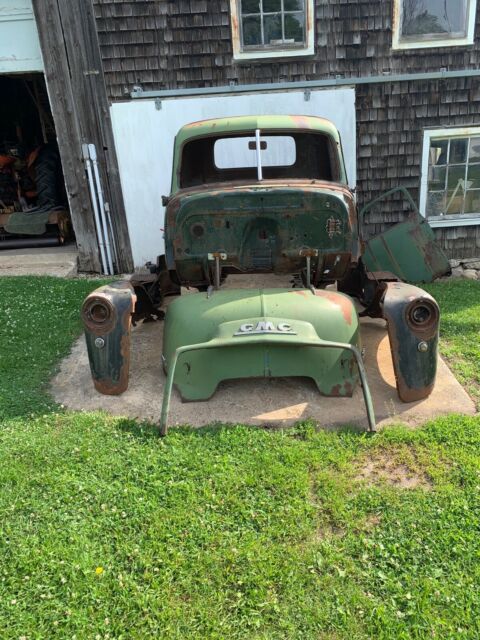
271 5
458 150
456 177
435 203
294 5
454 201
436 178
475 149
252 31
438 152
294 27
250 6
235 153
473 179
272 26
472 202
434 17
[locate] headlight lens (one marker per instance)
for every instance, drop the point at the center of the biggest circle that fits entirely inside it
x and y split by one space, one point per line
422 315
98 314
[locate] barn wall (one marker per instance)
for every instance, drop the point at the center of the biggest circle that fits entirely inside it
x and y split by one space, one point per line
187 44
172 44
391 119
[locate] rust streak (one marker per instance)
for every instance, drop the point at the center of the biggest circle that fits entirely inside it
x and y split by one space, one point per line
338 300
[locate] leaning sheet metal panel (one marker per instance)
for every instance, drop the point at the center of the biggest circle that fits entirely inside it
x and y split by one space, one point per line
408 250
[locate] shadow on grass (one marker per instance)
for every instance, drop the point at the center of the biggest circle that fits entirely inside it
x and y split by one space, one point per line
303 430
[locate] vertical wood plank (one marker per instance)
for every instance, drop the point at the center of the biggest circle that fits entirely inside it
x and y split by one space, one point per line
62 102
78 97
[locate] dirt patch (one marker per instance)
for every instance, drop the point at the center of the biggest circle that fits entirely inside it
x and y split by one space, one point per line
387 467
328 531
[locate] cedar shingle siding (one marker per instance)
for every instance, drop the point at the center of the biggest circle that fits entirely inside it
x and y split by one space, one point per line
170 44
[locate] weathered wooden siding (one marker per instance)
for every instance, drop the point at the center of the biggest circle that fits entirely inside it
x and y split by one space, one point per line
170 44
187 43
391 119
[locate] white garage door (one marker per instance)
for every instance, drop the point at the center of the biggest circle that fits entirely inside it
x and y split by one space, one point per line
144 136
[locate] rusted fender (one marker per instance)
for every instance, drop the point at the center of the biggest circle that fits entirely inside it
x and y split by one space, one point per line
413 319
107 320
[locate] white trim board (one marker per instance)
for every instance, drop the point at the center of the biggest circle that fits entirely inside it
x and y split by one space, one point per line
437 134
259 54
397 43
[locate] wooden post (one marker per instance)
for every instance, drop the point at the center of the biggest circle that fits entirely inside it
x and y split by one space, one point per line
78 98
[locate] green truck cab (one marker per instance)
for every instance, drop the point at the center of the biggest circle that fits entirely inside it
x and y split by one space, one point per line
261 224
269 194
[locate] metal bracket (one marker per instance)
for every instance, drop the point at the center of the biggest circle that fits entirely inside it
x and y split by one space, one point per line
308 254
216 257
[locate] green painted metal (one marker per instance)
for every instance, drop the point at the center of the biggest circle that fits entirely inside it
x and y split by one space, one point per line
325 316
261 229
408 249
248 125
300 343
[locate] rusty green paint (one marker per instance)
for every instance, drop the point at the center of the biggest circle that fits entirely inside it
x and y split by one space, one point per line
198 318
261 229
271 226
415 370
248 125
110 363
407 249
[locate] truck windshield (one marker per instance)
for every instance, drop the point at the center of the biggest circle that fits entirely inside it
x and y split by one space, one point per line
309 156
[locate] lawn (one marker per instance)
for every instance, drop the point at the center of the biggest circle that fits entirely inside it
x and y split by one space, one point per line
228 532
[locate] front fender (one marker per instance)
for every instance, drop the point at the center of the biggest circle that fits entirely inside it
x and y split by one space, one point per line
413 320
106 315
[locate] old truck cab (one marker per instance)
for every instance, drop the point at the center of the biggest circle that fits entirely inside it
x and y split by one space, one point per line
262 193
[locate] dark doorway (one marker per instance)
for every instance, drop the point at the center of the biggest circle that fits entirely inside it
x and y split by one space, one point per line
33 202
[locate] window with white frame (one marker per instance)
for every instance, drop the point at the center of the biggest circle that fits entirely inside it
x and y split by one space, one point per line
433 23
450 193
272 28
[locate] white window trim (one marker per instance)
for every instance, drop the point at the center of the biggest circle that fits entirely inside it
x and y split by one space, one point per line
450 220
434 42
259 54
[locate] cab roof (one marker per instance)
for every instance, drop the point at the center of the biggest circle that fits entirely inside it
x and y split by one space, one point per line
241 124
249 124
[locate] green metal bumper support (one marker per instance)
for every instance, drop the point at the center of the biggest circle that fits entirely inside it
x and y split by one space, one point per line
265 339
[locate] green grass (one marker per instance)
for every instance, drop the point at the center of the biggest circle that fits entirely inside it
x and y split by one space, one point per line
460 330
39 318
226 532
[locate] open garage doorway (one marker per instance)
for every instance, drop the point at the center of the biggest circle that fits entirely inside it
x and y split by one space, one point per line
34 209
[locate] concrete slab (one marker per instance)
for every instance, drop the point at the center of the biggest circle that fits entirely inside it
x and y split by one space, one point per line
266 402
47 261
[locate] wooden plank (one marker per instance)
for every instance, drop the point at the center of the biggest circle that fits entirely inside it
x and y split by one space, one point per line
80 107
88 84
63 105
